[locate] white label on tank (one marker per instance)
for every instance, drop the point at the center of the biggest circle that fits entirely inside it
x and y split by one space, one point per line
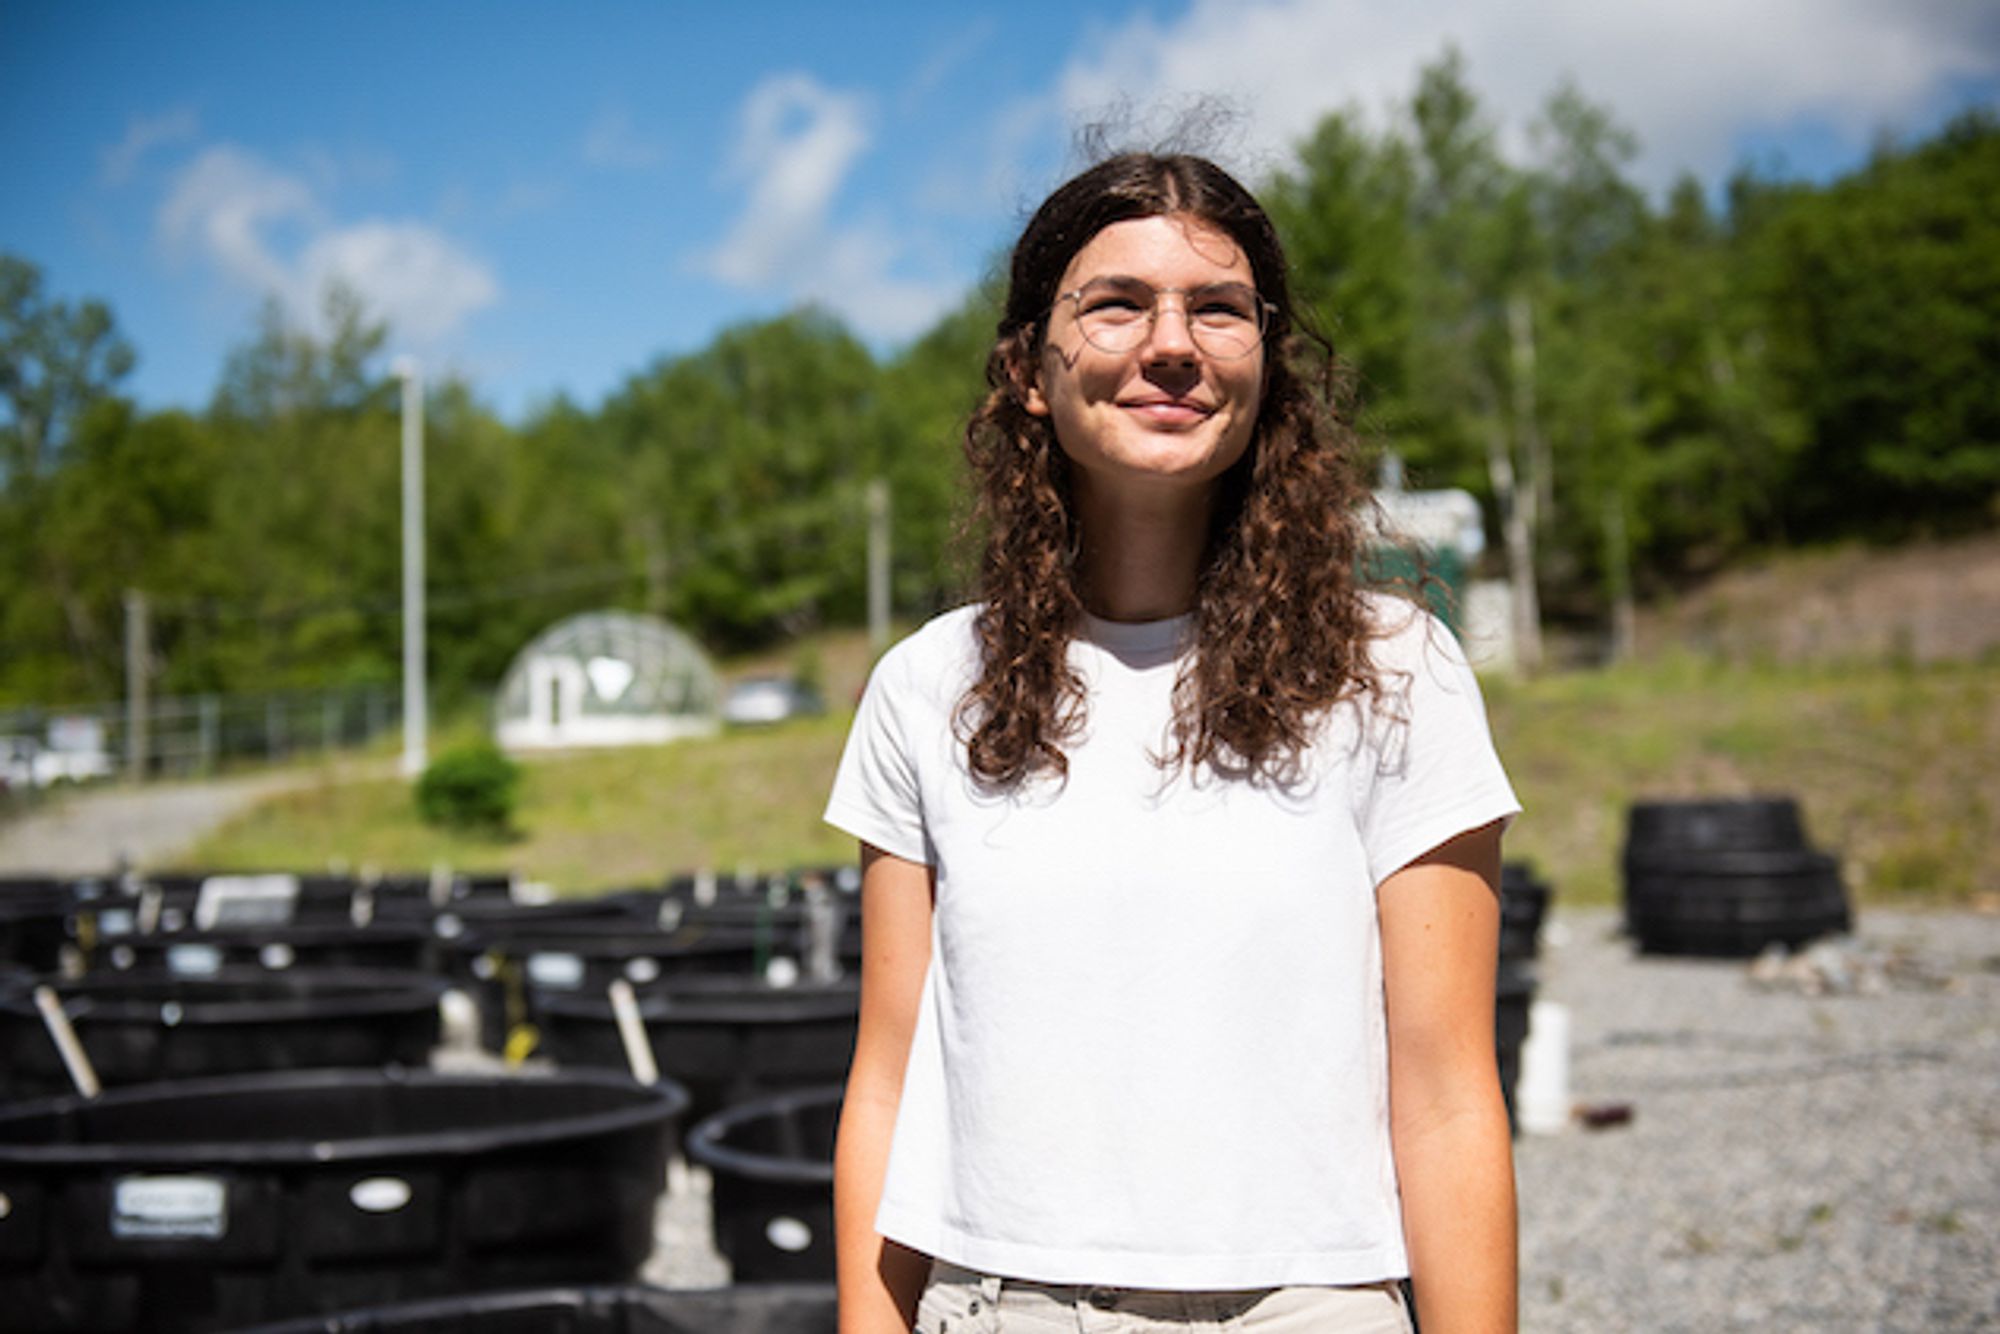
115 922
246 900
170 1206
380 1195
193 960
555 970
642 970
788 1234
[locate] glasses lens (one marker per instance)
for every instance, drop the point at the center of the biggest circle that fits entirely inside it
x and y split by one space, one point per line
1224 319
1115 316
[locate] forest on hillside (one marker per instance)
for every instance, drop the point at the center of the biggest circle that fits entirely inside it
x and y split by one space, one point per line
1639 391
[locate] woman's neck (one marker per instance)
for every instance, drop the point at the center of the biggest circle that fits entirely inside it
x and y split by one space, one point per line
1141 555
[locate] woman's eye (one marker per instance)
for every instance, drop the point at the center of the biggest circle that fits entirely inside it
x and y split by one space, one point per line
1224 307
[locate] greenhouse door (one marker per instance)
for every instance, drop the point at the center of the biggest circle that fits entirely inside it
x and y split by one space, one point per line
555 696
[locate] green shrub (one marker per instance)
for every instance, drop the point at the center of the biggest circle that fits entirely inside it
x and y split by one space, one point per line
472 788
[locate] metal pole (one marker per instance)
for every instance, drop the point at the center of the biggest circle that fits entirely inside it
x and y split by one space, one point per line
136 653
211 733
415 720
878 564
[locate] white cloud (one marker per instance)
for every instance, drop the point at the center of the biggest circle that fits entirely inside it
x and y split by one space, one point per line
405 272
948 59
225 204
613 142
1688 76
267 231
117 163
796 143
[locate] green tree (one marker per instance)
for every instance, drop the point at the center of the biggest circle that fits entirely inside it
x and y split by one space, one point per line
745 466
1885 297
1344 211
928 393
55 361
1476 251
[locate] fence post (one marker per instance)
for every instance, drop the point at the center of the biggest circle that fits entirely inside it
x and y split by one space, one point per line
208 712
136 653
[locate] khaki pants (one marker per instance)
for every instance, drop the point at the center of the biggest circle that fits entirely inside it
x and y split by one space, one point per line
958 1301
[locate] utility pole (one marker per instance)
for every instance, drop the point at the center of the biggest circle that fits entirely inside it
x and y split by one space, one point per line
137 651
878 564
416 722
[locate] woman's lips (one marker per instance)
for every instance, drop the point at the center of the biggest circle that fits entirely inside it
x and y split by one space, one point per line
1167 411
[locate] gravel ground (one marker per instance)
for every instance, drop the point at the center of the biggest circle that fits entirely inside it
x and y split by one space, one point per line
1793 1162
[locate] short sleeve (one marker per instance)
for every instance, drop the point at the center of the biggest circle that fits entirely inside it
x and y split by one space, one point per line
1435 772
876 794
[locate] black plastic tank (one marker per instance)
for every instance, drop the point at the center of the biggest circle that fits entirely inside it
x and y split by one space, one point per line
729 1040
204 1205
141 1027
743 1308
771 1160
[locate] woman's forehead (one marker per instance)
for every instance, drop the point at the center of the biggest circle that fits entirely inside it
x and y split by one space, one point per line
1176 249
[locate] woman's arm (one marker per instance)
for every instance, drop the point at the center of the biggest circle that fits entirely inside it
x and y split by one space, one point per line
880 1281
1447 1121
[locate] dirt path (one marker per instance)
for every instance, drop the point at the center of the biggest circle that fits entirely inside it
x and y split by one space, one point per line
83 833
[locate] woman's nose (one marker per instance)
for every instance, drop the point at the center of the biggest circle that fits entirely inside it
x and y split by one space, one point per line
1171 337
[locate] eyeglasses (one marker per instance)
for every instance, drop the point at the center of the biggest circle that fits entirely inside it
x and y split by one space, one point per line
1225 320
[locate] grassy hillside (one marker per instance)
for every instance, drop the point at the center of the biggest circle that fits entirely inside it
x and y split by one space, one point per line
1898 769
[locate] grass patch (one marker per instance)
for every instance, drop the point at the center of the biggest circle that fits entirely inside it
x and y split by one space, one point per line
1893 766
585 821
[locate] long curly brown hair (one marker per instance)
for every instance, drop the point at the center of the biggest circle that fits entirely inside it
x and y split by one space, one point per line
1280 627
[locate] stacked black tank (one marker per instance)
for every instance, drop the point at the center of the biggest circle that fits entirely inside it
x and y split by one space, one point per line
1728 877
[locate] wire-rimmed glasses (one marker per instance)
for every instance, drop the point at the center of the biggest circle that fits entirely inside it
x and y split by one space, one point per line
1226 320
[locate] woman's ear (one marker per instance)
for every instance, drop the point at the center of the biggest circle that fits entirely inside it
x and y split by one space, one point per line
1031 395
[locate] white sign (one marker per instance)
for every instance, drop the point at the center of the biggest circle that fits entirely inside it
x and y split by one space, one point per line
170 1206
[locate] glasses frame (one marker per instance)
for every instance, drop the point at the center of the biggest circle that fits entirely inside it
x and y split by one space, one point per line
1266 310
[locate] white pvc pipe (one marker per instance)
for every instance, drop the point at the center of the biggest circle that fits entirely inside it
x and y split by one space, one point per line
1541 1097
632 1033
63 1034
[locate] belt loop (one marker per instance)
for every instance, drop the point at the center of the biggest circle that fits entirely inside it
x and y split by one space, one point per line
989 1288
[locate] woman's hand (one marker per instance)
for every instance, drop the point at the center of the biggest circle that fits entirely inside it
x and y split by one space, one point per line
1447 1121
880 1281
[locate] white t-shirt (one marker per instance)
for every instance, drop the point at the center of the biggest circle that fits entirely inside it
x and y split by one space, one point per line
1151 1047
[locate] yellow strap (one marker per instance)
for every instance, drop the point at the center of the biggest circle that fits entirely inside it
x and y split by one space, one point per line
522 1040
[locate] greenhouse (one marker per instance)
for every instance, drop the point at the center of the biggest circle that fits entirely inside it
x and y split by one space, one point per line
606 678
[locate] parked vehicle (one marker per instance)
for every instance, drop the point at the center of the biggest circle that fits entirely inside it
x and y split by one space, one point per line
770 699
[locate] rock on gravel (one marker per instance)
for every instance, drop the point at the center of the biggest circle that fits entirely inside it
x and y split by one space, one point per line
1794 1161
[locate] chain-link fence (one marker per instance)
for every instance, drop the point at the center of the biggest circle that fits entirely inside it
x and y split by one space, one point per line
189 735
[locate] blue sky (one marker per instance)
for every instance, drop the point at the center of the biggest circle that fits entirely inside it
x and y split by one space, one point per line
547 197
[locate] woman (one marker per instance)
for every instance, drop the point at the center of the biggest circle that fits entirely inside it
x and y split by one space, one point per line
1179 850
